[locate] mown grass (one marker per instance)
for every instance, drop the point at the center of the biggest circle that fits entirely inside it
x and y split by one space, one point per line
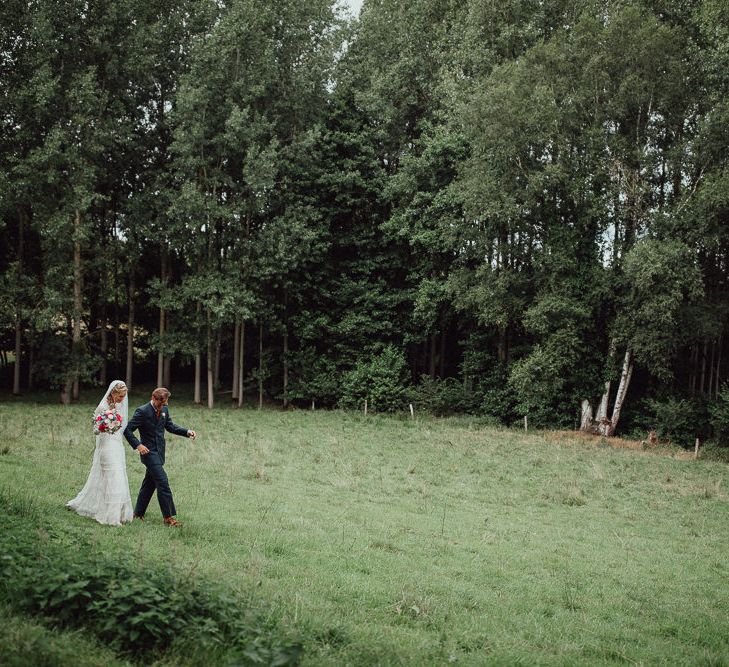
391 541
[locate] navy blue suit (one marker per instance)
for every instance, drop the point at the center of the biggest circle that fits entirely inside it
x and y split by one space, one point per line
152 431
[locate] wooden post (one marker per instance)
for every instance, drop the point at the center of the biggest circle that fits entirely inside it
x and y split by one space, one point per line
412 412
365 407
526 425
696 449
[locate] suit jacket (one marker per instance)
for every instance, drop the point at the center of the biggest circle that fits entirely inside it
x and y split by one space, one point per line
151 429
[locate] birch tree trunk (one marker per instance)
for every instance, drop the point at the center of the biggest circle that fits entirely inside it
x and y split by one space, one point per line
602 409
130 332
586 420
622 390
236 361
166 375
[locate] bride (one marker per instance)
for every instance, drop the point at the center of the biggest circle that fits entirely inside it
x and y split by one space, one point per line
105 496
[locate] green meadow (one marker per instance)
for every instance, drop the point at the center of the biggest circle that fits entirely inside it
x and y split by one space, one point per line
392 541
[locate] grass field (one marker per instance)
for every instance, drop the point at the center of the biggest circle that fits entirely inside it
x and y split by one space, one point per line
390 541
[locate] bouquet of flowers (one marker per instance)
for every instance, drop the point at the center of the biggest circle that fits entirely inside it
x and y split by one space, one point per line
108 421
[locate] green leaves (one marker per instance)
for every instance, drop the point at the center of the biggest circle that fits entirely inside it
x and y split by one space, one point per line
140 615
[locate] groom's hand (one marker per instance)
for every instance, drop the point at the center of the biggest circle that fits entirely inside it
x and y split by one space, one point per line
142 449
192 435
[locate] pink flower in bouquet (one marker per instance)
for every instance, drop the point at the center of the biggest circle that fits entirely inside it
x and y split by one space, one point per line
109 421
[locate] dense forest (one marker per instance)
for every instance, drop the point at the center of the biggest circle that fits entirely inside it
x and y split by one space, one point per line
501 208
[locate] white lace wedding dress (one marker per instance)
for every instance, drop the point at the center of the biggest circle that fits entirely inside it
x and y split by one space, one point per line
105 496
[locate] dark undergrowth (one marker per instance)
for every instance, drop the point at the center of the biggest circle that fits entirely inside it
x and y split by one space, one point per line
154 616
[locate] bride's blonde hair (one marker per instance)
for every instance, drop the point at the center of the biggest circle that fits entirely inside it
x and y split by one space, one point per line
119 389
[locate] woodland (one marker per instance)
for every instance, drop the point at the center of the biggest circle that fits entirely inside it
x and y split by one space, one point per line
507 209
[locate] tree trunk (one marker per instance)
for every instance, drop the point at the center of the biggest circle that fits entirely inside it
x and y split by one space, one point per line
216 373
160 353
622 391
602 409
286 366
441 358
718 365
31 363
260 366
18 321
210 364
198 368
117 334
18 352
503 348
711 368
703 370
166 376
236 361
77 303
130 333
241 372
162 318
104 348
198 393
586 420
431 356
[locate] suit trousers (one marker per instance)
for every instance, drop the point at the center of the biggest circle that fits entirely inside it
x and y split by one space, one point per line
155 479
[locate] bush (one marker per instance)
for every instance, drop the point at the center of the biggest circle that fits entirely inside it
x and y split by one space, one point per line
677 420
141 615
445 396
381 380
719 415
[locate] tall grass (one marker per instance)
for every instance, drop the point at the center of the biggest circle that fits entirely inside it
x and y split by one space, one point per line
398 541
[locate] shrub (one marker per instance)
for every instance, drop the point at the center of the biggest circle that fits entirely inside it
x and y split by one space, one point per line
142 615
719 414
445 396
678 420
380 380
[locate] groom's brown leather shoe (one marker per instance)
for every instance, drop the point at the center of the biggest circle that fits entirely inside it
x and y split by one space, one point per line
171 521
138 516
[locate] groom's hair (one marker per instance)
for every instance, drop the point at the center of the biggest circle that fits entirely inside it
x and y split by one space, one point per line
161 393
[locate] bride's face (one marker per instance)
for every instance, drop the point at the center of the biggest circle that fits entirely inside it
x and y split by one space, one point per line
118 396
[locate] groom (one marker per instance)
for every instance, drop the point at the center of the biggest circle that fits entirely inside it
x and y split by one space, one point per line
152 419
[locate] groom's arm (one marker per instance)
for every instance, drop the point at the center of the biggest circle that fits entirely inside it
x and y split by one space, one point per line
175 429
132 426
